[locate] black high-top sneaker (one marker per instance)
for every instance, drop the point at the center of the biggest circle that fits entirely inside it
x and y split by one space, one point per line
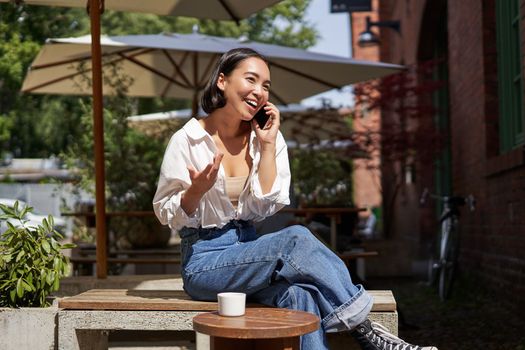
373 336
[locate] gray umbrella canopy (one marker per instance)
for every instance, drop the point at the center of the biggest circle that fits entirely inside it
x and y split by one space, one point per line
212 9
179 65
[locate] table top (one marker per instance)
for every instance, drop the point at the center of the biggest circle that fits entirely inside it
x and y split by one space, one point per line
257 323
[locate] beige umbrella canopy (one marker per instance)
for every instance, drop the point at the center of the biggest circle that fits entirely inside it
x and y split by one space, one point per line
211 9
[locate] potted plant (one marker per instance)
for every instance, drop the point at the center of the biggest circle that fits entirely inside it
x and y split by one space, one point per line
31 259
31 266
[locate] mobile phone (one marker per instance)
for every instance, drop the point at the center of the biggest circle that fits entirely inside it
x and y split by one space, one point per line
261 117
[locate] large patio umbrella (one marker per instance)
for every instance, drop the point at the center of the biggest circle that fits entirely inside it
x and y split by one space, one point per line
212 9
179 65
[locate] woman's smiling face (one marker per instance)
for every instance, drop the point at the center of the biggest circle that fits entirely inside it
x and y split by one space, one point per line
247 88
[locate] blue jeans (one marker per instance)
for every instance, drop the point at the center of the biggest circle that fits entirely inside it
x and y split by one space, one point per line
289 269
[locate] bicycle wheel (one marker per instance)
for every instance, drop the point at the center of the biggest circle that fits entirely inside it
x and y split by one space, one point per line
448 257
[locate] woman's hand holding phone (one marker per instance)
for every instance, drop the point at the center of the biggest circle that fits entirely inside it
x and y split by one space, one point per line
269 117
261 117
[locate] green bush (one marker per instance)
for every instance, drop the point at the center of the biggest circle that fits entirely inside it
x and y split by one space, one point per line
31 259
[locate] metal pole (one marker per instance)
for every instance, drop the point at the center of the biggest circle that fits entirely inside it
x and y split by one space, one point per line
95 9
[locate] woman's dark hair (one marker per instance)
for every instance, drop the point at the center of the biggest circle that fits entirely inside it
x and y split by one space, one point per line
212 97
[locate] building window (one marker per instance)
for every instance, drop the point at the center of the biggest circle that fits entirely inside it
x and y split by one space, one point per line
510 80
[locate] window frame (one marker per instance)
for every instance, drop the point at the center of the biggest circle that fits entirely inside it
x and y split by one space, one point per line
510 76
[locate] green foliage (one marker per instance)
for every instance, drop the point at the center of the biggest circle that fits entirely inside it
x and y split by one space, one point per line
31 260
25 119
37 23
288 26
16 56
5 131
321 177
23 29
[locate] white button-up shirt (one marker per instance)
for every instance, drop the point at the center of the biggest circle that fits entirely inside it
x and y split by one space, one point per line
193 146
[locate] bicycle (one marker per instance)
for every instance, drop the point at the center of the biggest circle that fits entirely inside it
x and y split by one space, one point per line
445 266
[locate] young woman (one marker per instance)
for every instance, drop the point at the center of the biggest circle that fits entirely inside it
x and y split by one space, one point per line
223 172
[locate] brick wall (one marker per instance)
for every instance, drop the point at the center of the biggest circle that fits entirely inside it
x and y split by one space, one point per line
493 237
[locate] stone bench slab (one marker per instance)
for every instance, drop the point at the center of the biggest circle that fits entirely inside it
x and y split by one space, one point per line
169 300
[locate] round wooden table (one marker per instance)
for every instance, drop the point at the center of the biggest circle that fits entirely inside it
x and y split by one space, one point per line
258 329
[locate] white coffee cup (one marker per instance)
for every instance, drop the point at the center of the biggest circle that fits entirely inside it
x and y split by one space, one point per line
231 304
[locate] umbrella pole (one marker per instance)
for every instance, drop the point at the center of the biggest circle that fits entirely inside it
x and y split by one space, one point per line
195 104
95 9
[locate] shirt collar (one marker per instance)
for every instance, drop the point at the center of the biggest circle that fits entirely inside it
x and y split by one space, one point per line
194 129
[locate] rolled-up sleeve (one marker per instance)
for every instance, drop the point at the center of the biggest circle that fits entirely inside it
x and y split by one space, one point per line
173 181
264 205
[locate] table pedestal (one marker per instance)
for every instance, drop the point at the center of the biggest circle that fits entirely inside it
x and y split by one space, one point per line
289 343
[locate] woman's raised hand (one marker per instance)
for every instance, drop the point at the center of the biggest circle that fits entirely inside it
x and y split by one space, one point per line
268 134
202 181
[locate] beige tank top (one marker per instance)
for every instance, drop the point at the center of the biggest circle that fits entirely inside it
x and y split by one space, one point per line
234 187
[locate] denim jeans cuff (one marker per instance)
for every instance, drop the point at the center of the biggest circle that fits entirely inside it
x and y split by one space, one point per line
350 314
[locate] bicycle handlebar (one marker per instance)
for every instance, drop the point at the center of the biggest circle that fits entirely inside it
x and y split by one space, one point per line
455 201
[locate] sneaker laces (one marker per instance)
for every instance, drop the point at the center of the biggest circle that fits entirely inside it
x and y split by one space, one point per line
380 333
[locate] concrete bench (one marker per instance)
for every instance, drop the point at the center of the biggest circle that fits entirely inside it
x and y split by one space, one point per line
85 320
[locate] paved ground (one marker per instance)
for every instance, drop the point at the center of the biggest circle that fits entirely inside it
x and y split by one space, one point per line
471 319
